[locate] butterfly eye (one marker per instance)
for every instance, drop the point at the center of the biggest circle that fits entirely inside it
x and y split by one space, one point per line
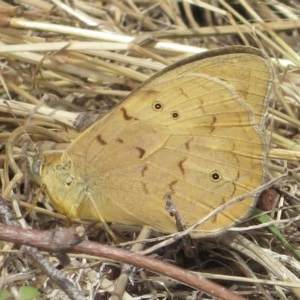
174 115
69 180
157 106
215 176
36 166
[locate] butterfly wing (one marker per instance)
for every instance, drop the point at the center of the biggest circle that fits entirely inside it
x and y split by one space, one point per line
194 132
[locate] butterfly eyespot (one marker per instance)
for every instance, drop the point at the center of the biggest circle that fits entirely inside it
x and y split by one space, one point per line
215 176
174 115
157 106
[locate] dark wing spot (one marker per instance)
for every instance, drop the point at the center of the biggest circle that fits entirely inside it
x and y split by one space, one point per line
201 107
151 93
233 184
214 218
223 200
141 151
183 93
144 170
234 187
126 116
187 143
100 139
172 185
145 189
223 79
214 119
120 141
180 165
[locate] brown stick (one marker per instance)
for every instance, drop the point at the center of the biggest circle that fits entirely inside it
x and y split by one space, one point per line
46 240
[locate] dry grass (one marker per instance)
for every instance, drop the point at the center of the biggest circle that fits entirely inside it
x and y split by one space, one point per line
60 60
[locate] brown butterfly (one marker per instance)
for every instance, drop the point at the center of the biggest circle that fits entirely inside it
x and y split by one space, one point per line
193 132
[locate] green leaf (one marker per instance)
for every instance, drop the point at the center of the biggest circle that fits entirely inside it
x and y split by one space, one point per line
28 293
5 294
263 218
